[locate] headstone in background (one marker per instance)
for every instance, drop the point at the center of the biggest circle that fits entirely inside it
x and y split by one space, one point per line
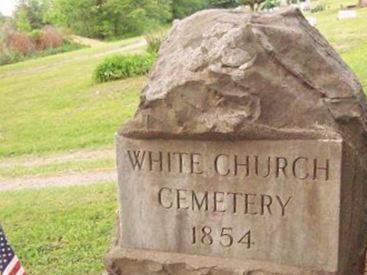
347 14
247 154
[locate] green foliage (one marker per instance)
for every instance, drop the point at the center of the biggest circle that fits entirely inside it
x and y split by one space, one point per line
154 40
35 34
123 66
29 14
22 21
109 18
183 8
2 19
9 57
225 4
318 8
270 4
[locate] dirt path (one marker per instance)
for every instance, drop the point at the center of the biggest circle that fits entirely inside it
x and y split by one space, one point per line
86 41
84 178
80 155
133 46
64 179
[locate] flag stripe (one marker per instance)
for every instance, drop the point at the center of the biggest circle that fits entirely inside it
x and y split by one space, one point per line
9 262
11 265
21 271
15 269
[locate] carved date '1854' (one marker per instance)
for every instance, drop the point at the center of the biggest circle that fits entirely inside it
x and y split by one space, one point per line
206 236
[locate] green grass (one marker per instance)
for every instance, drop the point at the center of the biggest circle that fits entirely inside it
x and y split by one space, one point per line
60 230
52 104
348 37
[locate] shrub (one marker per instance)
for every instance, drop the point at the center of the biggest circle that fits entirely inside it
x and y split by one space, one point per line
19 42
154 40
35 34
9 57
270 4
49 37
318 8
123 66
19 46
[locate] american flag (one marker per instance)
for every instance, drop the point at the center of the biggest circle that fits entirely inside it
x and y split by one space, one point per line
9 262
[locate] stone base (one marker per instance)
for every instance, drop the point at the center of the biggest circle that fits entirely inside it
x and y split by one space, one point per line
122 261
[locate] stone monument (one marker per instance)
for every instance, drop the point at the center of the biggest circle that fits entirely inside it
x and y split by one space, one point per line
247 154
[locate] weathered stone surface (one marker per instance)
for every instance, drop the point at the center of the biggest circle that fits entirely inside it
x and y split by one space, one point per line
229 83
227 73
260 192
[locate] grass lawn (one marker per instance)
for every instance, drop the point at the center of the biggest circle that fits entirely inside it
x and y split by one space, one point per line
52 104
60 230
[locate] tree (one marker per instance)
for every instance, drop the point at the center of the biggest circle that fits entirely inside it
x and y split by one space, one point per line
29 14
270 4
109 18
183 8
22 22
225 4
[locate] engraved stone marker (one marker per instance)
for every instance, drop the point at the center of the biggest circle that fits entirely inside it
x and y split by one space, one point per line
244 199
247 154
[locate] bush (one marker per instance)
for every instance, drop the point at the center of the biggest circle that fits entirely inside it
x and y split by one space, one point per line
19 42
270 4
318 8
35 35
9 57
48 37
154 40
19 46
123 66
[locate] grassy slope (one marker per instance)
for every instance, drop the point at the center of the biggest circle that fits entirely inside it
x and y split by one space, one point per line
349 37
52 104
60 230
